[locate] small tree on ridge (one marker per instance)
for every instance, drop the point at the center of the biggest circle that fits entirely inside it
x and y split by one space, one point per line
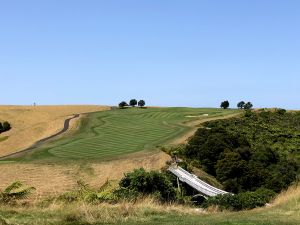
248 105
122 105
141 103
241 104
225 104
133 102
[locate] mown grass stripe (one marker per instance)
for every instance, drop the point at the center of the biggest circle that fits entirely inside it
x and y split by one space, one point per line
117 132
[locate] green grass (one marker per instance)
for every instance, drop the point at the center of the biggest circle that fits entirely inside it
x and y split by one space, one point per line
4 138
108 134
6 161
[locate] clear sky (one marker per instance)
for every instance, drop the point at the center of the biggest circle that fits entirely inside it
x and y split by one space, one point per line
168 52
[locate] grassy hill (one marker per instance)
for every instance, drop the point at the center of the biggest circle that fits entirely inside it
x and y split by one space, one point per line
140 130
109 134
32 123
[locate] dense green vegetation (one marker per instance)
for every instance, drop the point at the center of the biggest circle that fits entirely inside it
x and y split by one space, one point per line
149 183
259 149
241 201
108 134
4 127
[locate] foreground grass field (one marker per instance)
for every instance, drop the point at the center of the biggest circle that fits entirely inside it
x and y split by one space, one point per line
285 210
108 134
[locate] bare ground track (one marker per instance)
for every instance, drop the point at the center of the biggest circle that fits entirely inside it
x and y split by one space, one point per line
42 141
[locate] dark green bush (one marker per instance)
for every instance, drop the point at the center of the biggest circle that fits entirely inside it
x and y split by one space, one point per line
151 182
126 194
281 111
6 126
242 201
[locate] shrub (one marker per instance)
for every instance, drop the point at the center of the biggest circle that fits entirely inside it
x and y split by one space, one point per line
148 183
281 111
242 201
126 194
87 194
6 126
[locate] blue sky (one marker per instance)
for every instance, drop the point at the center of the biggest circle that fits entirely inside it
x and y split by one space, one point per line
170 52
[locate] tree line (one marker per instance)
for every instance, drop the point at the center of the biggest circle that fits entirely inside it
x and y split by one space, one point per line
4 127
241 105
132 103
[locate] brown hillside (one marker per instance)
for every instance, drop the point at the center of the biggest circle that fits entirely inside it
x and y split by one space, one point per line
30 124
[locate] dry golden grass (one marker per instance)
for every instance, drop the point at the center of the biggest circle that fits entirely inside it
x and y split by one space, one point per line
149 211
83 213
52 179
292 194
30 124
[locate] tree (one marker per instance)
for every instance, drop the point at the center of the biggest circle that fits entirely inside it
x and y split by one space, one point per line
241 104
122 105
225 105
248 105
133 102
1 127
6 126
141 103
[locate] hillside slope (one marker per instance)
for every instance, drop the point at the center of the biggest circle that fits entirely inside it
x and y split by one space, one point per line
110 134
30 124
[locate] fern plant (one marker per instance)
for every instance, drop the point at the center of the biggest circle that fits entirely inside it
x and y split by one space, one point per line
14 192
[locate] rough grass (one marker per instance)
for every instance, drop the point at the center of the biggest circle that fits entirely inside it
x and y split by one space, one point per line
52 178
109 134
30 124
284 210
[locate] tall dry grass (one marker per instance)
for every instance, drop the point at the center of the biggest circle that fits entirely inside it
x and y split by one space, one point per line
284 208
52 179
85 213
